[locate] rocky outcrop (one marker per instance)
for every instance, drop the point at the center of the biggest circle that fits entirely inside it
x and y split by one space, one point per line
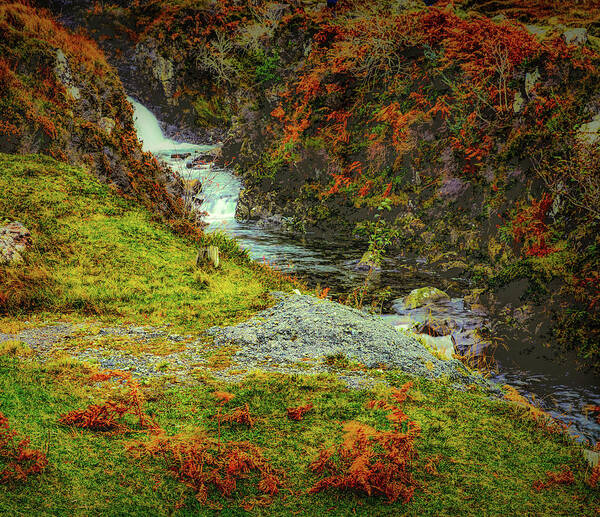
14 240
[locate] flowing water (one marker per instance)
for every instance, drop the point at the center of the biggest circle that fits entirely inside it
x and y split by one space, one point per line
556 384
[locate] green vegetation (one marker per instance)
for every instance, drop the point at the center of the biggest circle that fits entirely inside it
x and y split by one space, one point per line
475 455
98 255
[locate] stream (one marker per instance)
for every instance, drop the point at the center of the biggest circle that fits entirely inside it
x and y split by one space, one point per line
554 384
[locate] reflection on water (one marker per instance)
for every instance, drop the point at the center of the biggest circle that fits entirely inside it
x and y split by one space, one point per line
554 383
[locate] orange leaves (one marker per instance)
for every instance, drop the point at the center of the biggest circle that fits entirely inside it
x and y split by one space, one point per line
108 417
201 464
564 477
223 396
297 413
21 461
238 415
398 121
371 461
529 225
278 112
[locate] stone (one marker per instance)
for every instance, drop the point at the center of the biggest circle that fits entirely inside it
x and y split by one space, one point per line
518 103
14 240
107 125
576 36
536 30
63 73
440 346
424 296
531 79
301 327
590 133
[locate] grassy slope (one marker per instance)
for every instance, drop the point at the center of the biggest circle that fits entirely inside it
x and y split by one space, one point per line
97 253
489 455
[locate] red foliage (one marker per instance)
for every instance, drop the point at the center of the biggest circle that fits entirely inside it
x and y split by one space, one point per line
530 225
297 413
594 477
372 461
109 416
564 477
22 461
238 415
202 464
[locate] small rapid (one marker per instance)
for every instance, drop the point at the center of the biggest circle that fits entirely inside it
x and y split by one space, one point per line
553 382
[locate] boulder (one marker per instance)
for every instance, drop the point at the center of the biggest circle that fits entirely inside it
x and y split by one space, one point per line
14 240
442 347
424 296
576 36
590 133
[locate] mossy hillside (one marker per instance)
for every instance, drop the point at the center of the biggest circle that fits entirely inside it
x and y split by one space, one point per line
486 453
98 255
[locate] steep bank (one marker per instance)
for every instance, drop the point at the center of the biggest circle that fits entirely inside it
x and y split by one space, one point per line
60 97
469 140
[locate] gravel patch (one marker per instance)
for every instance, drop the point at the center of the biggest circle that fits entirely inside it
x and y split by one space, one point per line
301 327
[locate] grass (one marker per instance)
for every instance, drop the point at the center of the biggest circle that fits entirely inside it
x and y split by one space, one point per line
97 255
487 453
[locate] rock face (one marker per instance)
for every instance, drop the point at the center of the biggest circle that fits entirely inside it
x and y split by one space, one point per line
423 296
302 327
14 239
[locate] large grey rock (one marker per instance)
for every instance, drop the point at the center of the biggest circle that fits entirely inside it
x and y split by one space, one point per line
62 70
301 327
576 36
590 132
14 240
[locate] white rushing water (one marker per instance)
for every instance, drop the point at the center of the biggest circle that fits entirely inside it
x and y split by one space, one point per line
220 188
150 133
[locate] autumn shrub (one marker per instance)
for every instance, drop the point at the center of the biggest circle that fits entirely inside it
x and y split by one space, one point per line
109 416
18 459
297 413
204 464
563 477
371 461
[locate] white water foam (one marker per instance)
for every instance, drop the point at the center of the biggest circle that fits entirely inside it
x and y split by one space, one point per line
220 188
150 134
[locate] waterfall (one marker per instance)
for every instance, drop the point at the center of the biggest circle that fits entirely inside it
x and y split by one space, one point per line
220 188
150 134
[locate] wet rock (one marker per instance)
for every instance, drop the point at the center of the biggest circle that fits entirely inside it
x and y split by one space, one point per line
424 296
14 240
180 156
368 261
437 328
576 36
590 133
